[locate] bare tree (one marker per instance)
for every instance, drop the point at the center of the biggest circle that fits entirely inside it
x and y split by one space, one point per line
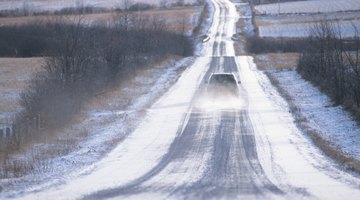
332 62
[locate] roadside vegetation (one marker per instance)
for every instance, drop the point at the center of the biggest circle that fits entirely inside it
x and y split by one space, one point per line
82 61
333 63
257 45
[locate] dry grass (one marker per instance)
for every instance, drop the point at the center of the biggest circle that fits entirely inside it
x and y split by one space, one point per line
36 156
123 97
15 74
271 61
173 17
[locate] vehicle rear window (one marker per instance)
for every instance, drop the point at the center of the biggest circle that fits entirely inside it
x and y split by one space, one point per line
222 79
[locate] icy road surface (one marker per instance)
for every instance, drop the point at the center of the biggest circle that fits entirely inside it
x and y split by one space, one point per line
190 147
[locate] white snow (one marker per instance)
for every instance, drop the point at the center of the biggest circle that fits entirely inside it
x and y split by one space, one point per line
218 34
304 29
332 122
288 157
311 6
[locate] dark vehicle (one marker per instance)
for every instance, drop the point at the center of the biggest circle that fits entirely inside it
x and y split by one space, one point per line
222 85
205 38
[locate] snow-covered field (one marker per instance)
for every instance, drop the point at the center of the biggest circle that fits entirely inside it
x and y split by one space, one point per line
347 29
41 5
332 122
297 18
311 6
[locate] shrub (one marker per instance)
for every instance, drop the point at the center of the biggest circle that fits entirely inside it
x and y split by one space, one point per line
333 63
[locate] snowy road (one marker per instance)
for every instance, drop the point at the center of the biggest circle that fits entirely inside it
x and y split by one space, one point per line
190 148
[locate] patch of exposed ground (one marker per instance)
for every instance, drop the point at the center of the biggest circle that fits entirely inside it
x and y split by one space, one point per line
272 61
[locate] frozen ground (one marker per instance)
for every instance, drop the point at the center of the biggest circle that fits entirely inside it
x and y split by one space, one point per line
311 6
43 5
332 122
